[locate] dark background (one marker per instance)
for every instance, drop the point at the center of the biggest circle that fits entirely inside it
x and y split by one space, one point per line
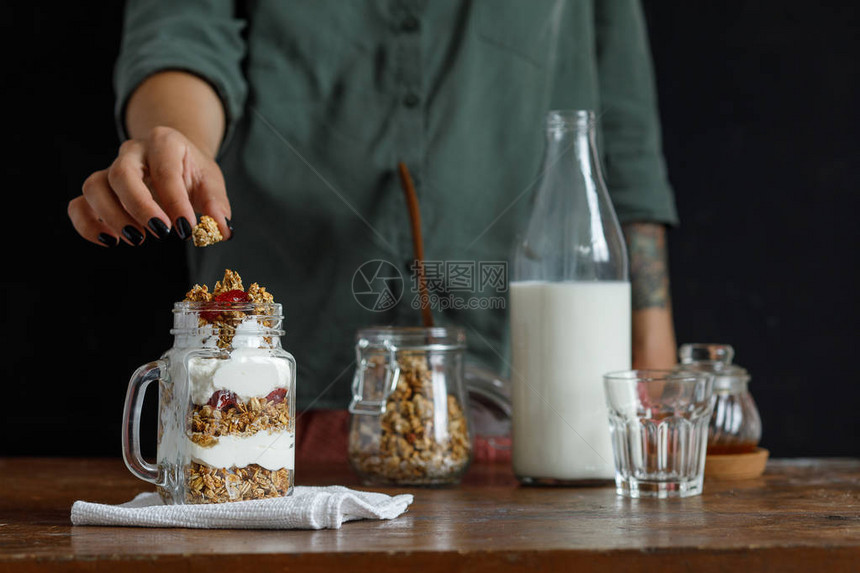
759 105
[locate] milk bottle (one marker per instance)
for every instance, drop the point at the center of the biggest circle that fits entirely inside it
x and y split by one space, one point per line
570 313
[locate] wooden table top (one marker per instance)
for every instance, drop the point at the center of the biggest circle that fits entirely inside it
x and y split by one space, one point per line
801 515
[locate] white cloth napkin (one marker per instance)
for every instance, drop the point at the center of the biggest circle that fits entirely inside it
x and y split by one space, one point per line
308 508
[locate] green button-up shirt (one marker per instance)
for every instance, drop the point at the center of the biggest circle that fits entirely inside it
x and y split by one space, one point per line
323 99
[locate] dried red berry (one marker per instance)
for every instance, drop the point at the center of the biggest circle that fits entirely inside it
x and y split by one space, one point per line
223 400
234 295
277 396
210 315
230 296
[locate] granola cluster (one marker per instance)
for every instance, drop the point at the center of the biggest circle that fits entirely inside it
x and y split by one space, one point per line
407 445
230 290
218 485
206 232
208 423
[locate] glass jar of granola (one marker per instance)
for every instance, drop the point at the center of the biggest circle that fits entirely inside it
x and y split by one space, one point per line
226 401
409 421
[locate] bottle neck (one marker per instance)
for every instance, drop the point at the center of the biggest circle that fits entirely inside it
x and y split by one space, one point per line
573 233
571 142
571 130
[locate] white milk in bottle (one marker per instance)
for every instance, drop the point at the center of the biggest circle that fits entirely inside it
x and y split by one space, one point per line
569 313
565 337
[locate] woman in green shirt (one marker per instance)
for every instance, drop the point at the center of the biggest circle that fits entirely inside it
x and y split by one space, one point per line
290 118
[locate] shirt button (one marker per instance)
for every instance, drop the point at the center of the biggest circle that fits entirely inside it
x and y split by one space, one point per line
409 24
411 99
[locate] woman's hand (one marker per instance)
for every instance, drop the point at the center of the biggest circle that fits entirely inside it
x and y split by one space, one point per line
165 173
156 183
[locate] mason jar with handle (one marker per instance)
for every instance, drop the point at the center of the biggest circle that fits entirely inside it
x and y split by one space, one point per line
226 427
570 313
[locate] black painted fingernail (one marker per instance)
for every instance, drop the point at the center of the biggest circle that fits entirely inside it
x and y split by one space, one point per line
132 234
108 240
229 226
183 228
158 227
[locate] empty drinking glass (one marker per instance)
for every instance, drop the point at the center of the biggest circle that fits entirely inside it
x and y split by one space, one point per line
659 426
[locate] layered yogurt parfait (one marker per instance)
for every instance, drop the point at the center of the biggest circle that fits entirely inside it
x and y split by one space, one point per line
226 426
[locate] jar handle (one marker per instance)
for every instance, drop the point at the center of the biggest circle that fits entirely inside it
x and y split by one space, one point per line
131 419
359 405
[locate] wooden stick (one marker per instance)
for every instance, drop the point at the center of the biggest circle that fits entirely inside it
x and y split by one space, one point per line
417 241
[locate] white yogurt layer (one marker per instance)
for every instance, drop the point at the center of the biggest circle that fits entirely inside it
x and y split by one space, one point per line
248 372
248 333
273 451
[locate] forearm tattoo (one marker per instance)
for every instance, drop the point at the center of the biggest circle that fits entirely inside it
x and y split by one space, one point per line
649 265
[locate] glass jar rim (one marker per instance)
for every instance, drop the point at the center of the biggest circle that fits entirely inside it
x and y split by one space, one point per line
261 309
417 337
649 376
726 376
259 319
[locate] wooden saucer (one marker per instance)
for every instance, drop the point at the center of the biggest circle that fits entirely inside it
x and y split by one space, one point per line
736 466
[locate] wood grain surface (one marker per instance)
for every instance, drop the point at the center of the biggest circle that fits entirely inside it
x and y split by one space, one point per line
801 515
